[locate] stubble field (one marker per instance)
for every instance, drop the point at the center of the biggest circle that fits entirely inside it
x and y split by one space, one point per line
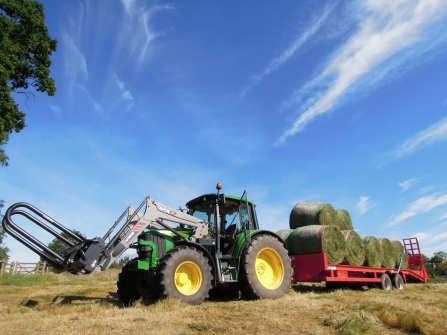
67 304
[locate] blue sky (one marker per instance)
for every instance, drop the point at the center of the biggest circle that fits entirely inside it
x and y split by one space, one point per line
337 101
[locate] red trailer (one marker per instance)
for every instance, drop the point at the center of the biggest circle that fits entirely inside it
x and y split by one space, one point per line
315 268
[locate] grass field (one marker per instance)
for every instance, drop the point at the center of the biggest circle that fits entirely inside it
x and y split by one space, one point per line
67 304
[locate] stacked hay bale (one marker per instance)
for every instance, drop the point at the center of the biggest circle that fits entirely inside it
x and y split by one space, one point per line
312 213
314 239
388 253
343 220
317 227
373 251
399 255
355 250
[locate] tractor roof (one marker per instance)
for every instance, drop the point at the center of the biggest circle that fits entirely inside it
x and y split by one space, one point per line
212 197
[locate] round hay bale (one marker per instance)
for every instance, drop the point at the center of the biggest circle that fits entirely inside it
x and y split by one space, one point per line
398 252
355 250
284 234
314 239
343 220
312 213
388 254
373 251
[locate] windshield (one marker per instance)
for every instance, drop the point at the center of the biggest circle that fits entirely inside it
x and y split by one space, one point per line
229 213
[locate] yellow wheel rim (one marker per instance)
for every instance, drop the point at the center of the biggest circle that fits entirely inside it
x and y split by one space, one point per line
188 278
269 269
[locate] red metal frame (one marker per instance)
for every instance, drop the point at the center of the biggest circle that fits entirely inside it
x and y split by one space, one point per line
315 268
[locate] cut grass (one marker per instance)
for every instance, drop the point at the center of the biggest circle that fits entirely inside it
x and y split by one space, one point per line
67 304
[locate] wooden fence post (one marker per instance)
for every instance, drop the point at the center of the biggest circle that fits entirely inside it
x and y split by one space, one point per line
2 266
12 268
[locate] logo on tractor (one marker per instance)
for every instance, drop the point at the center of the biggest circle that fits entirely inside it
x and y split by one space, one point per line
167 211
138 226
129 237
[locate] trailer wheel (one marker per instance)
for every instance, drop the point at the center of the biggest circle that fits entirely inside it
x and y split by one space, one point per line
386 282
184 274
265 271
127 290
398 282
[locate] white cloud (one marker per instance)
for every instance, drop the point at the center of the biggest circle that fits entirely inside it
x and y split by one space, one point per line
442 217
56 110
363 205
125 93
291 50
75 62
422 205
388 28
422 236
139 32
437 237
435 133
409 183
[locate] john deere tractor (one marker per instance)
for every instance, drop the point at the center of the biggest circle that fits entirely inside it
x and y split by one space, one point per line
213 246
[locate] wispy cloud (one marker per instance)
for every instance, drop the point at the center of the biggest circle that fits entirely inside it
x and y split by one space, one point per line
75 62
291 50
433 134
139 32
409 183
422 205
125 93
363 205
387 28
56 110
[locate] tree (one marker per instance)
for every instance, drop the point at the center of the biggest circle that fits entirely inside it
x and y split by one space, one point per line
439 257
25 53
3 249
58 246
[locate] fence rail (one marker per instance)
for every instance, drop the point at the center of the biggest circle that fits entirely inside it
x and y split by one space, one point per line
23 268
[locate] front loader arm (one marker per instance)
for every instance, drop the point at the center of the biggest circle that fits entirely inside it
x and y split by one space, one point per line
155 216
88 255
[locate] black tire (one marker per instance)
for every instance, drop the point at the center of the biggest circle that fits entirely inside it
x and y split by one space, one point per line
184 274
127 290
398 282
386 282
265 271
144 285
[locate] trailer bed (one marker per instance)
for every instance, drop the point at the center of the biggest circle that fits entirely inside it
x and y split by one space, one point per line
315 268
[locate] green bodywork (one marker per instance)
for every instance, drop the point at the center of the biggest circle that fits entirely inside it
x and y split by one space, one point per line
228 264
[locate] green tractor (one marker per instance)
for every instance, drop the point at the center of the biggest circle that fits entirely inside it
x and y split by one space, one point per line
215 247
233 257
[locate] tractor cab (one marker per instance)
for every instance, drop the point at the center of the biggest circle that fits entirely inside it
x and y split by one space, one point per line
227 215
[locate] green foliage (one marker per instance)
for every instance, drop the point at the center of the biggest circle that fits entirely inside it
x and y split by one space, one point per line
25 53
437 265
59 246
3 249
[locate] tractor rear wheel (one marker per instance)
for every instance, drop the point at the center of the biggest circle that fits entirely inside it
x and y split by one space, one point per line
265 271
127 290
184 274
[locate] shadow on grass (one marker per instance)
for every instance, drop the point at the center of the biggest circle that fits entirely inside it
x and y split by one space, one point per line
321 289
111 299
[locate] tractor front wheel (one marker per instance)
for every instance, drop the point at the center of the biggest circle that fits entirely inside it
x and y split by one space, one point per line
184 274
265 271
127 290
